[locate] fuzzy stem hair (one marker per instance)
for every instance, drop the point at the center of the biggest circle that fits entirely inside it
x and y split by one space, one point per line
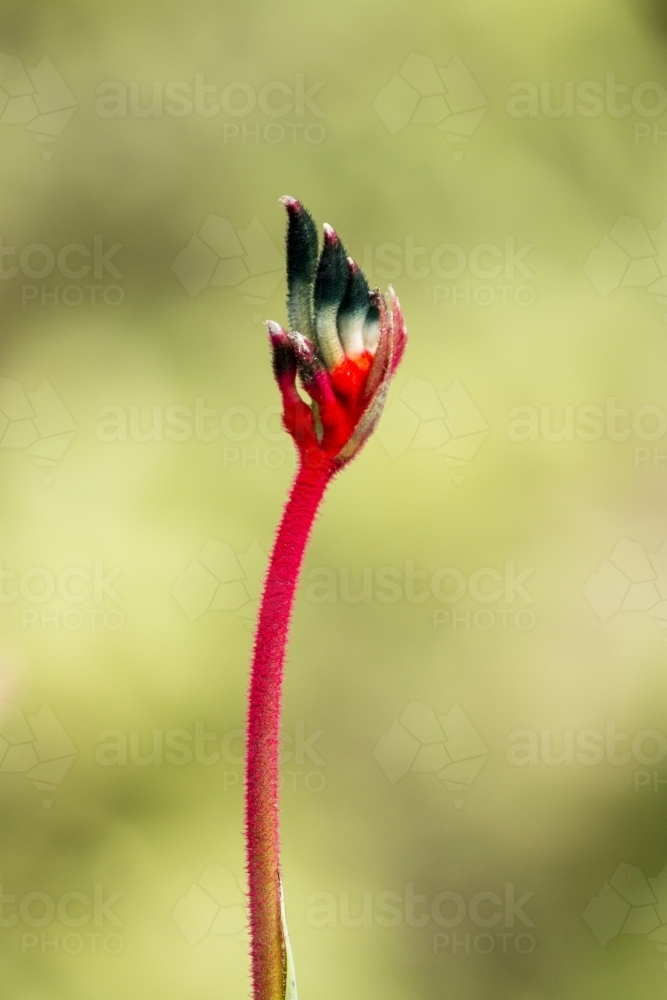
262 779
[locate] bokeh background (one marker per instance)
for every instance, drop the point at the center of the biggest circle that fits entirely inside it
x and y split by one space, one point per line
475 725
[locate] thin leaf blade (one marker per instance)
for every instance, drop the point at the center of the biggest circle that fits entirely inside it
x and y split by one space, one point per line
290 972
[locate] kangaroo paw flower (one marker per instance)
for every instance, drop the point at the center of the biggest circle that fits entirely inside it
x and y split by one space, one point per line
341 349
344 344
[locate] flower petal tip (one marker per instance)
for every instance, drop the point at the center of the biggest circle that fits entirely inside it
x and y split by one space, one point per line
291 204
278 337
302 347
274 329
330 234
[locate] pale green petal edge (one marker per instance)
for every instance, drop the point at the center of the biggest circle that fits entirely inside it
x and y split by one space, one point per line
290 974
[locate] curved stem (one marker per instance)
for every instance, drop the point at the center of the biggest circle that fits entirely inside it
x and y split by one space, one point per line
263 730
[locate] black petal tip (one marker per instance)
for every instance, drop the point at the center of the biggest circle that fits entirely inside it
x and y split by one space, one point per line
357 293
302 244
332 271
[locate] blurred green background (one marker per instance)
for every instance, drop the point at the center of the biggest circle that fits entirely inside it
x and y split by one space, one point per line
475 726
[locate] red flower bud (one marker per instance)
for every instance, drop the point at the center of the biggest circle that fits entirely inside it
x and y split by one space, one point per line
344 344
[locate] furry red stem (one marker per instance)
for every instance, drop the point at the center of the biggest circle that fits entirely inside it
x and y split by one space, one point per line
263 730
